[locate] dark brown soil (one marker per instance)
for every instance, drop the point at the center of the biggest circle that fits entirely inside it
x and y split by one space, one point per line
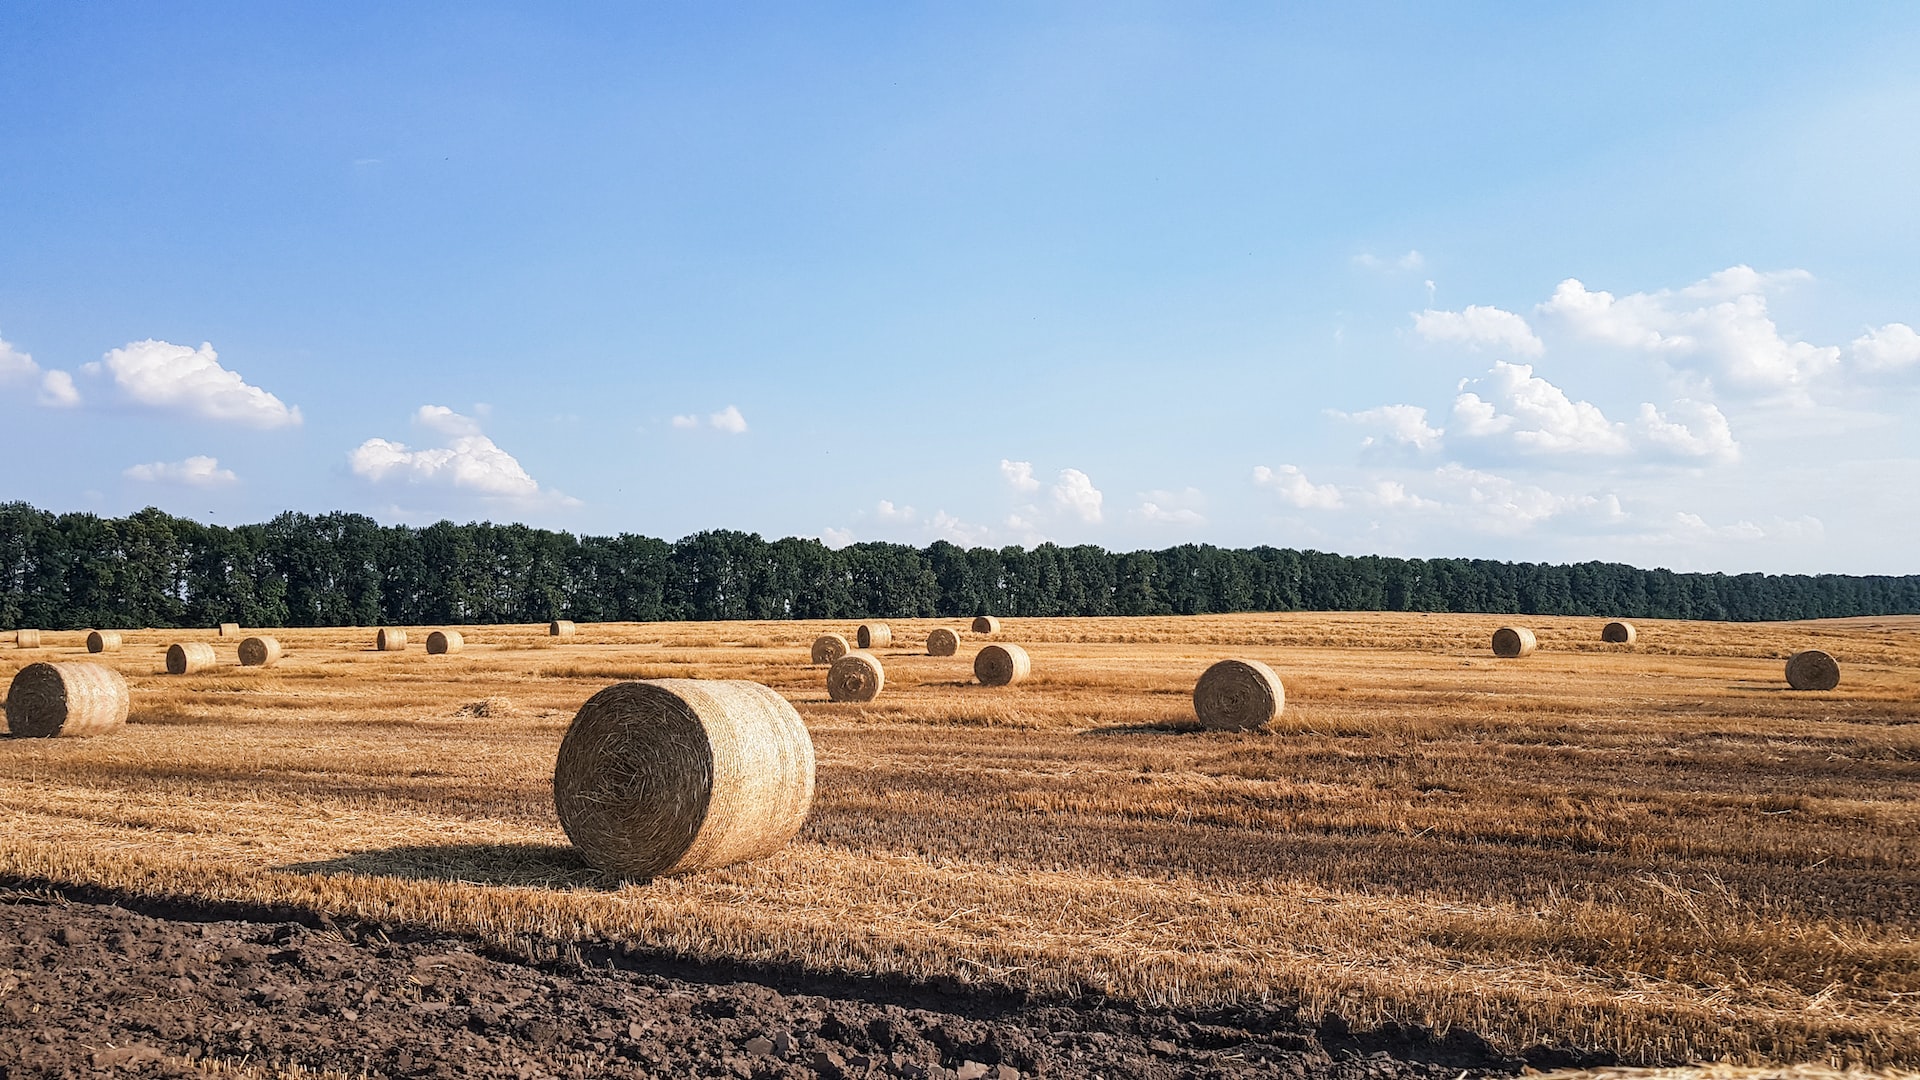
90 988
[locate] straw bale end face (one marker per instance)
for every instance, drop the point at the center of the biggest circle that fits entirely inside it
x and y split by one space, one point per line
390 640
986 624
561 628
943 642
1238 695
1619 633
1002 665
856 676
187 657
441 642
873 635
229 629
1512 641
99 641
73 700
672 776
259 652
1813 670
829 647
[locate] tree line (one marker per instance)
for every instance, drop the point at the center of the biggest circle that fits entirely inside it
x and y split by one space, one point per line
151 569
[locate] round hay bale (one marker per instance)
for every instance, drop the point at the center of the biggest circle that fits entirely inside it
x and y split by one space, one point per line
1512 641
986 624
873 635
830 647
26 639
943 642
1620 633
229 629
1238 695
1812 670
856 676
390 640
441 642
103 641
560 628
187 657
1001 665
677 775
75 700
259 652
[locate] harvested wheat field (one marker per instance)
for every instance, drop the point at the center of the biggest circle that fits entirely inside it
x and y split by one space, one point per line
1658 852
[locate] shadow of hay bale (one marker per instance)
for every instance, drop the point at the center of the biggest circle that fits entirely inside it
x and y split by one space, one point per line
549 866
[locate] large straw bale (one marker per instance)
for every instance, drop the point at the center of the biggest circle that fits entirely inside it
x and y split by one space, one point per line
390 639
986 624
561 628
103 641
1238 695
1512 641
187 657
1620 633
830 647
1001 665
26 639
873 635
1812 670
677 775
856 676
229 629
74 699
441 642
943 642
259 652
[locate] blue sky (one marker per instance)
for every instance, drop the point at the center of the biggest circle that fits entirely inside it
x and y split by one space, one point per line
1635 283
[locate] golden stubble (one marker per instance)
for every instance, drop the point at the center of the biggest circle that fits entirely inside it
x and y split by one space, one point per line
1656 849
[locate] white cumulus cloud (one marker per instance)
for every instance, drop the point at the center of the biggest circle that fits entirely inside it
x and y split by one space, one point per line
1400 425
1719 326
1172 507
686 423
836 538
1526 414
57 391
1294 488
728 420
163 375
1478 326
56 387
1074 493
468 463
1019 474
888 512
1893 347
197 471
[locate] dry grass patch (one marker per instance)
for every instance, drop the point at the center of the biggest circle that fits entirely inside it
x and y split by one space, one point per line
1661 850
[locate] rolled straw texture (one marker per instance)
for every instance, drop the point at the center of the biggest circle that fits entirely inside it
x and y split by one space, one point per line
1512 641
1812 670
259 652
74 699
676 775
986 624
1620 633
390 640
873 635
441 642
26 639
187 657
1238 695
856 676
560 628
830 647
943 642
103 641
1001 665
229 629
